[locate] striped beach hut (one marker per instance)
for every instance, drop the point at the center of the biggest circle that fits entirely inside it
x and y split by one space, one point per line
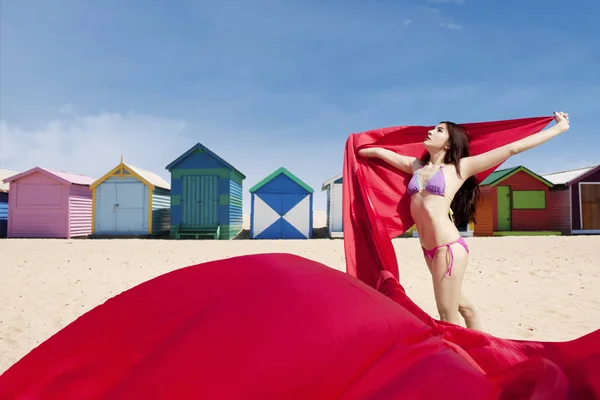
335 225
282 207
575 200
4 194
46 203
206 196
513 201
130 201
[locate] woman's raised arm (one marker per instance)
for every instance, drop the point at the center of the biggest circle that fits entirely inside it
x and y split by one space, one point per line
473 165
403 163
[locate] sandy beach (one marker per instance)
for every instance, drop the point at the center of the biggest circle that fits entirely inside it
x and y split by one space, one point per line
542 288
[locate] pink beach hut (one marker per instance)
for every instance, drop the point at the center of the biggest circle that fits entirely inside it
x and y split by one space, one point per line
45 203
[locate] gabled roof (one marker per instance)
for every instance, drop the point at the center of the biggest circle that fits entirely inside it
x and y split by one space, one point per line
6 173
278 172
149 178
571 176
498 176
200 146
330 181
66 177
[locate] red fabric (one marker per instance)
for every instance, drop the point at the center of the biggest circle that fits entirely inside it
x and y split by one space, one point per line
375 210
268 326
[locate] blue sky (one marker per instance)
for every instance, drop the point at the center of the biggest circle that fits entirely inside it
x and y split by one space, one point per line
83 82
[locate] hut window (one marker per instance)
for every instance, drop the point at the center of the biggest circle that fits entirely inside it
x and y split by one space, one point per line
529 199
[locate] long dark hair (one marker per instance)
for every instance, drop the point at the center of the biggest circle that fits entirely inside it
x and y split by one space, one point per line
464 202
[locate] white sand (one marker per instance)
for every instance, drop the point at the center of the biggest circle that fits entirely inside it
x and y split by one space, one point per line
542 288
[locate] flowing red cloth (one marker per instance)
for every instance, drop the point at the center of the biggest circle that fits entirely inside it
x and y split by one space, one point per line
376 209
279 326
267 326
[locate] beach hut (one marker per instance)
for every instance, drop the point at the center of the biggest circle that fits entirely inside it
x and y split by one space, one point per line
575 200
128 200
45 203
4 193
281 207
206 196
513 201
335 225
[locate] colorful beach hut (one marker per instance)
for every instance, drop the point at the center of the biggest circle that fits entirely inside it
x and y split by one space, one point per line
130 201
335 225
513 201
575 200
4 194
45 203
206 196
281 207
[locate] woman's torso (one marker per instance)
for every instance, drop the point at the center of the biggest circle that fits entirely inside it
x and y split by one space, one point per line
430 211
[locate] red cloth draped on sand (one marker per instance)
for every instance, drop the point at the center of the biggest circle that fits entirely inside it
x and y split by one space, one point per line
376 209
280 326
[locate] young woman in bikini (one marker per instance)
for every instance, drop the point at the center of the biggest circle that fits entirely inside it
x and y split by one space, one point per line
444 193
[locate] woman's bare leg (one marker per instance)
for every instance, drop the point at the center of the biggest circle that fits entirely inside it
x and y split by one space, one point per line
466 307
448 289
470 312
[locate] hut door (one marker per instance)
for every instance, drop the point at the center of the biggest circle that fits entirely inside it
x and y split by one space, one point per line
590 206
200 202
129 210
504 214
105 212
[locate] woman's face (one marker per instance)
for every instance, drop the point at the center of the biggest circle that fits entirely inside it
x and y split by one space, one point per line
437 138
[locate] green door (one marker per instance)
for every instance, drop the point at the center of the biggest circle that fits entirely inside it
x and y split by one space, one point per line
504 223
200 200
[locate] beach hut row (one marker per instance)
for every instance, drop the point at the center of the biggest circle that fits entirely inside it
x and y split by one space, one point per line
203 200
515 201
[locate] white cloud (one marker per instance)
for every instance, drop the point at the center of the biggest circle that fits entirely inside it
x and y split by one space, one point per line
459 2
92 144
450 25
407 22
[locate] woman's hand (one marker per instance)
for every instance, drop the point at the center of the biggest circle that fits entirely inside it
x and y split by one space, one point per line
562 120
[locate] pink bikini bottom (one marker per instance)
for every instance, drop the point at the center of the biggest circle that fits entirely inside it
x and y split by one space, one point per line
431 253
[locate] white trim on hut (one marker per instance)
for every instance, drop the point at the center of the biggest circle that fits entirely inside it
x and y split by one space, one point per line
335 219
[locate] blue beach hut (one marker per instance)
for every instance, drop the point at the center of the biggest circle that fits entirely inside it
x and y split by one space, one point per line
206 196
282 207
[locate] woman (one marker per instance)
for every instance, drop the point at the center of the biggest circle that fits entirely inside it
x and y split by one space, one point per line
444 194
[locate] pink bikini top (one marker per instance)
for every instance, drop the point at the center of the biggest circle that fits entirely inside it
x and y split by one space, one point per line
435 185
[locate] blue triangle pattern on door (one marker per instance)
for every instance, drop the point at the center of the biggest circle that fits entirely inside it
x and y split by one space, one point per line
289 200
288 231
273 200
272 232
281 229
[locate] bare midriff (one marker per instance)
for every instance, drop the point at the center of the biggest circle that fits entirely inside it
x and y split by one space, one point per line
430 213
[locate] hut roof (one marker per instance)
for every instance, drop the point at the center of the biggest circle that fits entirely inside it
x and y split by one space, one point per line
330 181
202 147
498 176
67 177
6 173
570 176
278 172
